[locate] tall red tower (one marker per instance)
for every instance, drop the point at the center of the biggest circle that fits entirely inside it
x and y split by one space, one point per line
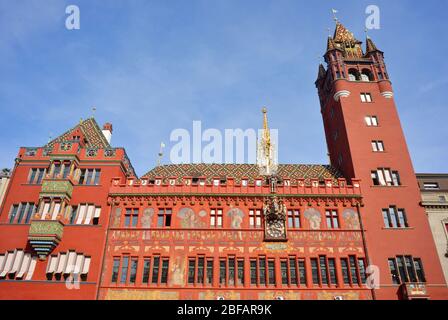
365 140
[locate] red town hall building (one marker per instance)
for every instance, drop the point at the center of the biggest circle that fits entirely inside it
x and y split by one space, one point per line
77 223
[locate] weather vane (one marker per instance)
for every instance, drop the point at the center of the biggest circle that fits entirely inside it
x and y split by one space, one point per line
93 111
335 18
160 154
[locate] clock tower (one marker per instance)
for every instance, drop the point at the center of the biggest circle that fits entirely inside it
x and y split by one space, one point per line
365 140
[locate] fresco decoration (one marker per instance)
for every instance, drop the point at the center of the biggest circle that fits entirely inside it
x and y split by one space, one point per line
190 220
125 294
116 218
215 295
147 216
314 218
177 270
326 295
236 218
351 219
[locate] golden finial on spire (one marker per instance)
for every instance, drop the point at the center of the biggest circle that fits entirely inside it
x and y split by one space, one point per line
93 111
265 154
80 120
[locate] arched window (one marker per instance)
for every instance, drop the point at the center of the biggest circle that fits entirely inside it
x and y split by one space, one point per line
366 75
353 75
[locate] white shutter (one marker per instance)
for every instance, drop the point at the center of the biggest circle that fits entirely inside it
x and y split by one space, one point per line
363 97
30 272
81 213
52 264
86 266
70 262
46 209
2 261
381 177
61 263
89 215
368 121
56 209
97 212
25 265
375 121
368 97
8 263
79 264
388 176
17 261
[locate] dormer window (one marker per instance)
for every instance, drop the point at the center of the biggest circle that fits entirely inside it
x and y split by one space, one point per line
244 182
216 182
172 182
258 183
158 182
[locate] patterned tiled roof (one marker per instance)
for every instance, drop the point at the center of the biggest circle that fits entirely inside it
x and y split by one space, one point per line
239 171
91 131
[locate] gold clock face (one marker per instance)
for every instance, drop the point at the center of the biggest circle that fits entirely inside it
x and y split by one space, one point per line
275 230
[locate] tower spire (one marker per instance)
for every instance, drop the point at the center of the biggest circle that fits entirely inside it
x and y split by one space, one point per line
266 159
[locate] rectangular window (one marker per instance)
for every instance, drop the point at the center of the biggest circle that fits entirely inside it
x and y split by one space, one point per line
394 218
323 269
394 271
271 272
36 175
66 170
405 269
332 219
222 271
133 274
22 213
124 270
240 271
315 271
302 272
366 97
164 218
90 177
371 121
332 271
253 272
146 270
362 270
165 266
155 270
255 218
345 273
353 270
216 218
262 271
377 146
284 271
294 219
431 186
131 218
385 177
115 269
85 214
210 271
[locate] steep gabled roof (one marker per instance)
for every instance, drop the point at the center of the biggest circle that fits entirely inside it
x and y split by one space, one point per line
239 171
343 35
370 45
92 133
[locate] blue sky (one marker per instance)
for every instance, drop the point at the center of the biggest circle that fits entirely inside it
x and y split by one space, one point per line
152 66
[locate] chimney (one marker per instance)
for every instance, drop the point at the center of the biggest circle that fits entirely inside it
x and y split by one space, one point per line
107 131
